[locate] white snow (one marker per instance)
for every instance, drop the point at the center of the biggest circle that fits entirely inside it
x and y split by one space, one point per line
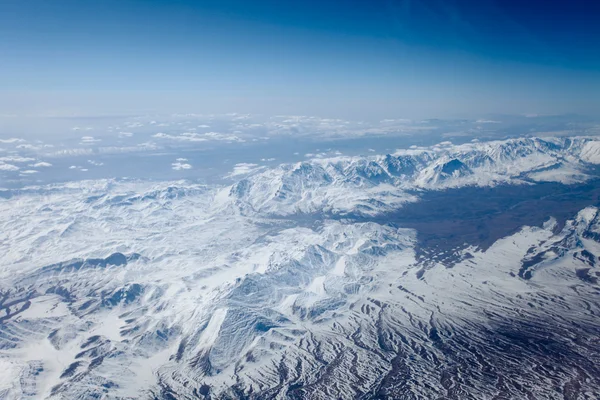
590 152
211 332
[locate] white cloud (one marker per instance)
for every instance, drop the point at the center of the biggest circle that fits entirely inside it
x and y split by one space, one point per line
199 137
34 147
41 164
141 147
125 134
72 152
178 166
134 124
29 172
244 169
96 163
89 140
77 167
12 140
8 167
184 137
397 120
323 154
17 159
239 117
224 136
306 126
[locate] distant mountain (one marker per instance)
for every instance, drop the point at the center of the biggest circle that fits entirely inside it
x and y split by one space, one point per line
370 185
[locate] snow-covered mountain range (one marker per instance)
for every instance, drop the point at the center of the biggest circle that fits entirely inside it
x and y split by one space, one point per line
370 185
289 284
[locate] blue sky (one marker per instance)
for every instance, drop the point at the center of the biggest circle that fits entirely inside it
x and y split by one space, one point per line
333 58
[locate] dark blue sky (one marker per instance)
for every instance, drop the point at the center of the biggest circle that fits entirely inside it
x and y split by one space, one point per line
378 57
